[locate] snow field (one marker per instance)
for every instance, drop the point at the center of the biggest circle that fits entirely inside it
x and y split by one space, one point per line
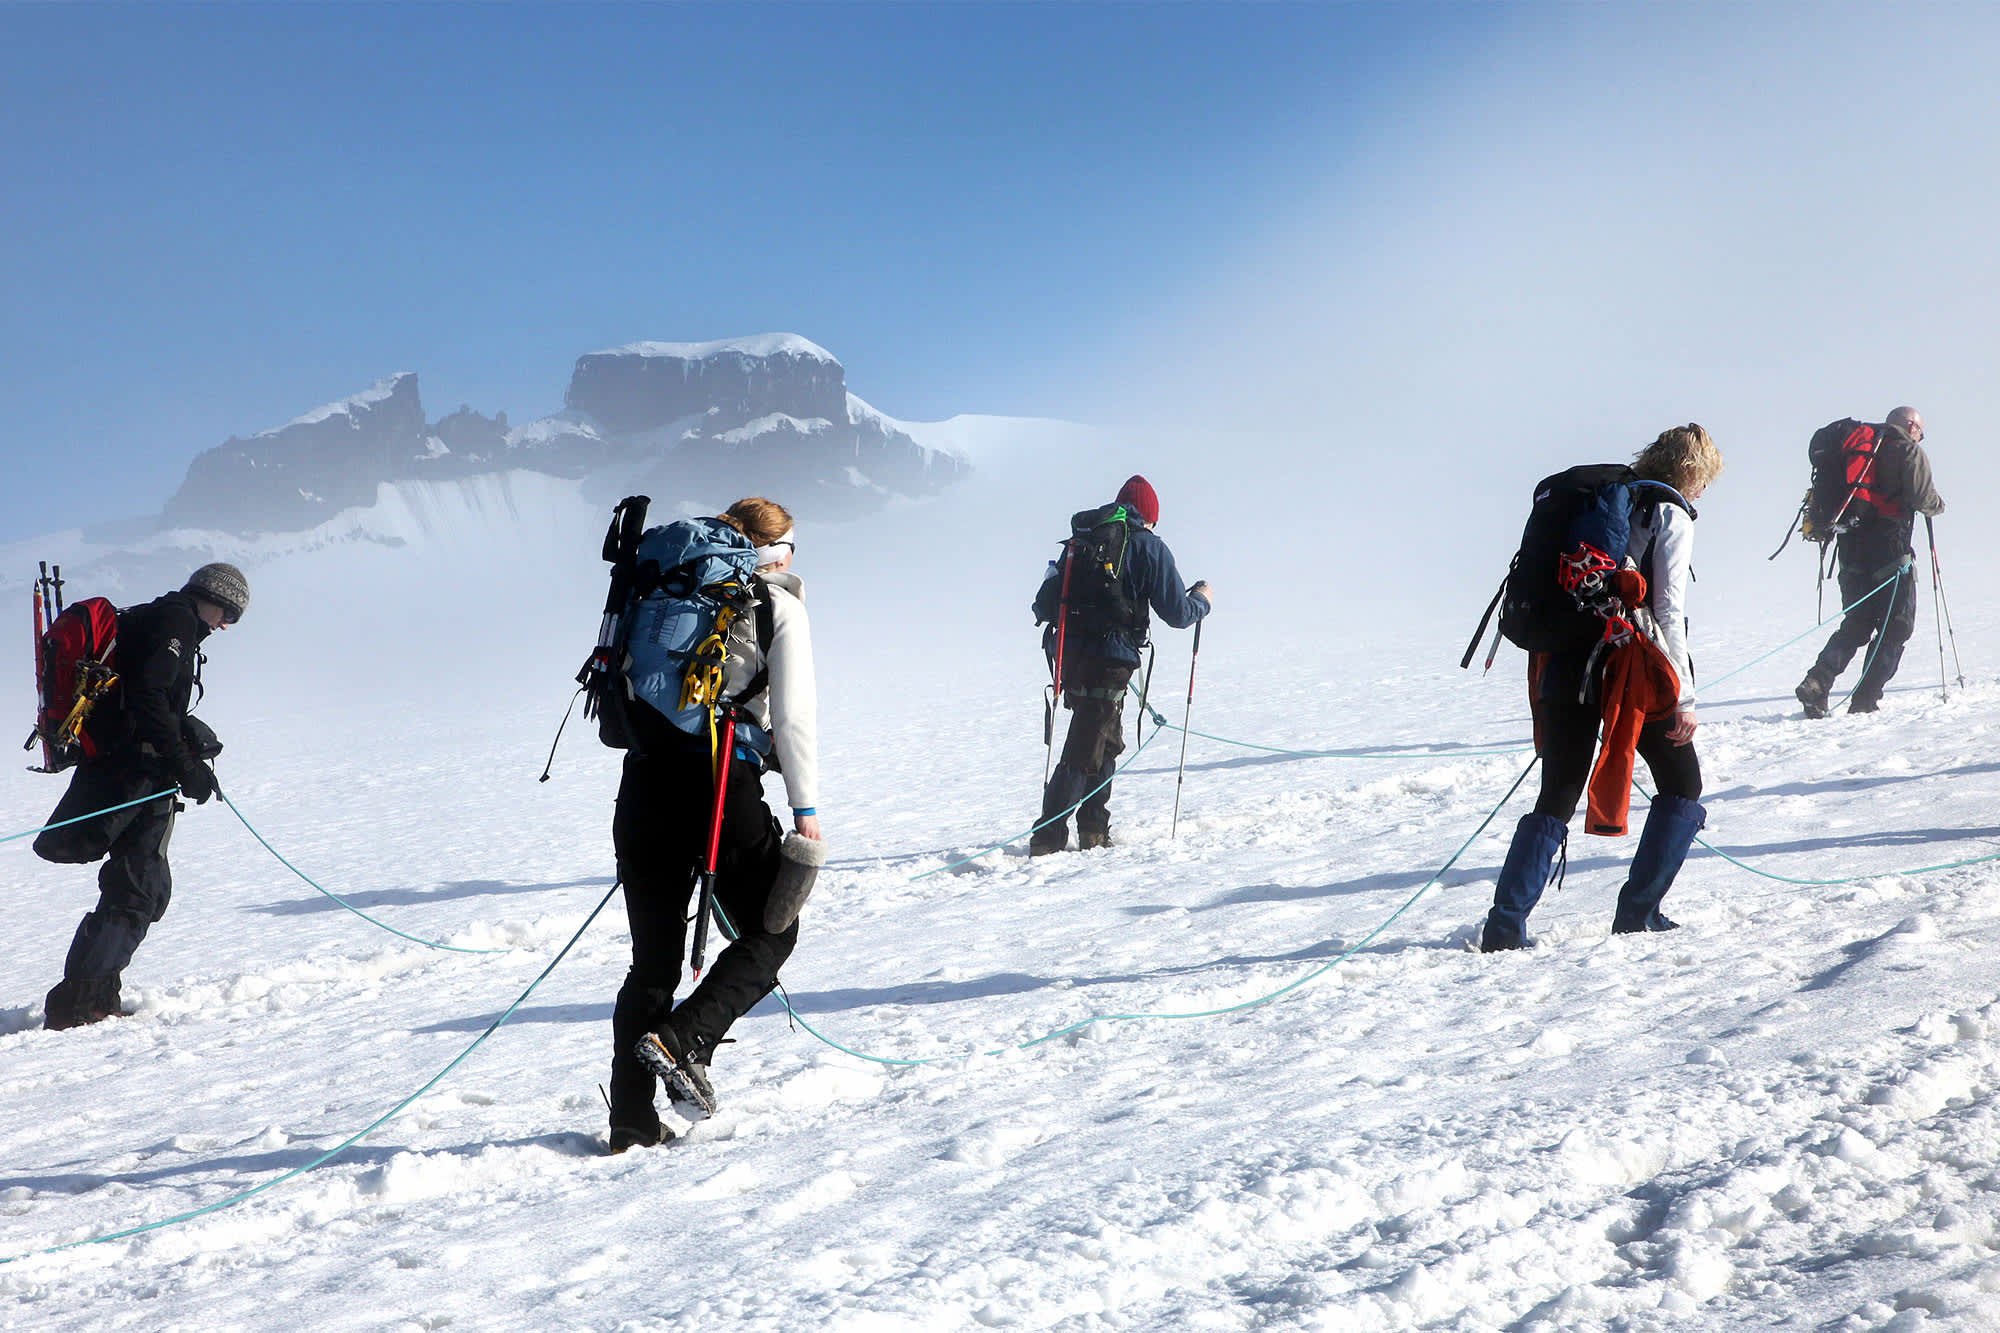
1781 1115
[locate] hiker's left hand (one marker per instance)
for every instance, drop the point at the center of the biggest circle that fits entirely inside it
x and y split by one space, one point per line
1683 729
807 826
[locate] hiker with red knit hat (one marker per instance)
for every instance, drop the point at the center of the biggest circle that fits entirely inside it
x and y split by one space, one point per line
1093 602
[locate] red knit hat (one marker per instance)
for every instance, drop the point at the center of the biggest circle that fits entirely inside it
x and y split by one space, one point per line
1138 492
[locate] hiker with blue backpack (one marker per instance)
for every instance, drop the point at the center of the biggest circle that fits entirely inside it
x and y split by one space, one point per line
704 676
1093 601
1598 595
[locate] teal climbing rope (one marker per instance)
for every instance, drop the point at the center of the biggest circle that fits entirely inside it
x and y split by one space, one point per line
1266 998
382 925
109 809
1363 752
343 1146
1762 657
1741 864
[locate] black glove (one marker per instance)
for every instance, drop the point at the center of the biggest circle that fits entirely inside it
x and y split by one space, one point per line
198 781
199 738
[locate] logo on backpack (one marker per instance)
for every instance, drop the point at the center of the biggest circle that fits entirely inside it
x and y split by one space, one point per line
1844 485
74 671
676 592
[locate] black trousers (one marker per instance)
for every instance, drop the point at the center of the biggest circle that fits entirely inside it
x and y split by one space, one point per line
1094 692
660 832
133 886
1567 730
1887 618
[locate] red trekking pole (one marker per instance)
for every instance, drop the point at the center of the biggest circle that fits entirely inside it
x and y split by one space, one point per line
1055 688
705 890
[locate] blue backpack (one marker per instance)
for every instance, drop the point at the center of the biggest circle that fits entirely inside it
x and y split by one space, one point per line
676 591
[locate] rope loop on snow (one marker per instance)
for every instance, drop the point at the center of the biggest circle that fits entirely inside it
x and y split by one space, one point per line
345 1144
1823 622
1266 998
1741 864
381 925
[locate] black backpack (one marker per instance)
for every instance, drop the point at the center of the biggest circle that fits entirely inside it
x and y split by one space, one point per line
1100 541
1086 587
1593 503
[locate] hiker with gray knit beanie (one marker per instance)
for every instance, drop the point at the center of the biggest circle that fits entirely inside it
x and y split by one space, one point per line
145 744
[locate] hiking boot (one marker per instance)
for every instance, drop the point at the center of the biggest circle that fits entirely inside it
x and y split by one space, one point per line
1671 827
75 1004
1048 842
1858 704
636 1136
1812 693
1091 841
1531 857
677 1065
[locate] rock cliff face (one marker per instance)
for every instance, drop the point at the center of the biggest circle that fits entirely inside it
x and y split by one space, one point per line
642 387
702 422
711 421
307 470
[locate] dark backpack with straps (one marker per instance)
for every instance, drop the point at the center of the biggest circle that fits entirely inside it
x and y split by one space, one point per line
676 592
1086 586
1845 489
1584 509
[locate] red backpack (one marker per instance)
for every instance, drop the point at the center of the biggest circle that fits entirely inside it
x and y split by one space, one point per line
74 669
1844 490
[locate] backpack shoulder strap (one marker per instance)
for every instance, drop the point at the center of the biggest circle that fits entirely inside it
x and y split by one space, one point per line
767 630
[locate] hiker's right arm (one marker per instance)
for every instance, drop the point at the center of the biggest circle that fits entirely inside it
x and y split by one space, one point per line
1173 601
794 705
1922 489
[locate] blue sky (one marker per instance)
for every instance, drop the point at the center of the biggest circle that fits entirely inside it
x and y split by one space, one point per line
220 216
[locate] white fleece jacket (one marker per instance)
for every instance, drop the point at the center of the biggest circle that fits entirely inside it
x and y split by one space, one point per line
788 707
1668 530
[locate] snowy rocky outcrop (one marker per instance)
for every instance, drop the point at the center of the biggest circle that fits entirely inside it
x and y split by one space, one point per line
308 469
683 421
709 420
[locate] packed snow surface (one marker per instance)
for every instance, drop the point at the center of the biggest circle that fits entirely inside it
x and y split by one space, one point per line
1785 1114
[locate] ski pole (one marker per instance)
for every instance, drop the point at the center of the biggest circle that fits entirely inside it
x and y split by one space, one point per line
1180 777
1937 619
705 893
1944 599
41 683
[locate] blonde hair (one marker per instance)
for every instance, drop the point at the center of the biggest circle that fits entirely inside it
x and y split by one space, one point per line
762 521
1685 458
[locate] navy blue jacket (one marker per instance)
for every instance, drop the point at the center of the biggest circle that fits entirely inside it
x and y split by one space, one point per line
1151 579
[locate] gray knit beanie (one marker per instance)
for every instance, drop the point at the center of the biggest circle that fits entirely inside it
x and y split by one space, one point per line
224 586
